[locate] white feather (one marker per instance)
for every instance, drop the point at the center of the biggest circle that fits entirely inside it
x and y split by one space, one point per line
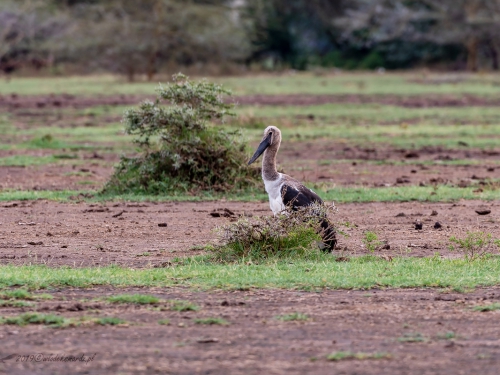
273 189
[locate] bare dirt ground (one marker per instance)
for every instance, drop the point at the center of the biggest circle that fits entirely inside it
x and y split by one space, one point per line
14 101
312 161
83 234
418 331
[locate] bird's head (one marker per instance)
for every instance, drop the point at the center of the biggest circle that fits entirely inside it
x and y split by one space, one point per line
272 137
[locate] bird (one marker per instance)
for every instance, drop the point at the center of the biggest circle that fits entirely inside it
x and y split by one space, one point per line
285 191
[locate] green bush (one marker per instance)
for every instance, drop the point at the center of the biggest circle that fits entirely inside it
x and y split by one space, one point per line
181 150
291 235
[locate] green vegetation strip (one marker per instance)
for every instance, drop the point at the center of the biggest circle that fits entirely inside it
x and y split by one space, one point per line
323 272
442 193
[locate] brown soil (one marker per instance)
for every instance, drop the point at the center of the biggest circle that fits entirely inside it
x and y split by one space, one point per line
256 342
415 101
128 234
312 161
16 102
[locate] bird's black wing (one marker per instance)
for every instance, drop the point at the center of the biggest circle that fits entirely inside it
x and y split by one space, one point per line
300 197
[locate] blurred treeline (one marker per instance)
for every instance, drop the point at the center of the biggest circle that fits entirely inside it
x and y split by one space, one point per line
133 37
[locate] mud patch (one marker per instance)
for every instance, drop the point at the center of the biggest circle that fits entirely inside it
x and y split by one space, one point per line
419 331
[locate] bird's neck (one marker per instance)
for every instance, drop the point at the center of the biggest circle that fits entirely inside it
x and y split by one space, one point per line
269 172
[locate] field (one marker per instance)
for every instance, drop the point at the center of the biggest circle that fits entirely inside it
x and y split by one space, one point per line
129 277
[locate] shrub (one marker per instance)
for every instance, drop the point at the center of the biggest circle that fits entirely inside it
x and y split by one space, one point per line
180 148
475 245
371 241
294 234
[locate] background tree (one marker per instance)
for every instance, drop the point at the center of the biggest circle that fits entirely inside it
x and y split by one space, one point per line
25 29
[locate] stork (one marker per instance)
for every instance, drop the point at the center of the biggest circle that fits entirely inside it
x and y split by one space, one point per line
285 191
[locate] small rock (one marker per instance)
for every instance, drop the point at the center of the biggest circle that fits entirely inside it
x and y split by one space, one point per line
483 211
437 225
434 213
401 214
35 243
385 246
412 155
419 225
491 169
403 180
207 340
162 225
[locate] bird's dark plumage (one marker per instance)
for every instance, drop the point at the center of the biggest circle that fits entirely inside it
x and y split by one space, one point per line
286 192
303 197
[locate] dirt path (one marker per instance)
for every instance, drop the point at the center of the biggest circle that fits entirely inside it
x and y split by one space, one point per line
419 332
82 234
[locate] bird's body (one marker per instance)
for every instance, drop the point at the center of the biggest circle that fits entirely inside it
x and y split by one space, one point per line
284 191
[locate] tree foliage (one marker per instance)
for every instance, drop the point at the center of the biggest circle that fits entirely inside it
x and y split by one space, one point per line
145 37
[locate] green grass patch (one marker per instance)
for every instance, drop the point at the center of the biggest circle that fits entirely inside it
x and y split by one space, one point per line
138 299
14 303
109 320
490 307
46 141
323 271
440 193
36 318
446 335
339 356
212 321
55 195
164 322
15 294
26 160
407 84
296 316
412 337
179 305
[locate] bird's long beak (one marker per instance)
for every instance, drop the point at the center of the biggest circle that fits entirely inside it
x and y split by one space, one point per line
266 142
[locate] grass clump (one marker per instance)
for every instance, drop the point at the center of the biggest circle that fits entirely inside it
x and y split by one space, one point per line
212 321
339 356
164 322
371 241
291 235
109 320
138 299
412 337
178 305
296 316
15 294
11 303
46 141
475 245
447 335
484 308
36 318
180 151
